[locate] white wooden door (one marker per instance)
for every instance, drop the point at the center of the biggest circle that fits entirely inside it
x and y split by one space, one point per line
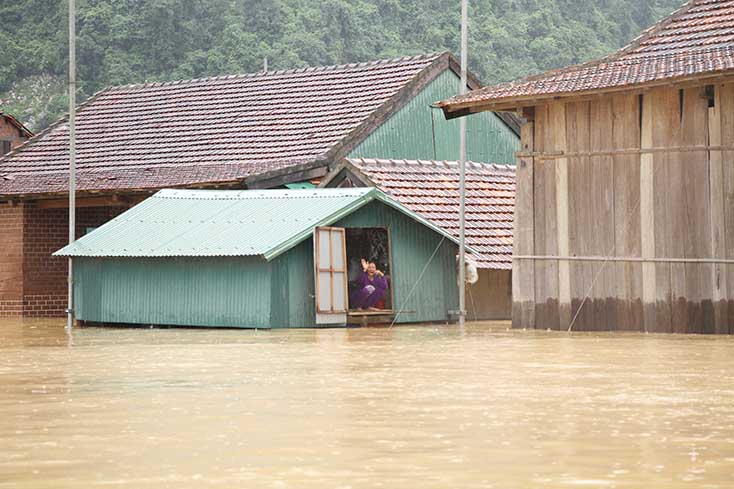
330 271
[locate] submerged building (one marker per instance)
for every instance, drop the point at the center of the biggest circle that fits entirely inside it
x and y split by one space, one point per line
261 130
430 189
262 259
624 214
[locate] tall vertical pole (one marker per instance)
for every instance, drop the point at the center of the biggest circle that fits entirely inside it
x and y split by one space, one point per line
462 167
72 154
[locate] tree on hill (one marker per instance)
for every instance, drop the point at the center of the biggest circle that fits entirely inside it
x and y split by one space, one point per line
134 41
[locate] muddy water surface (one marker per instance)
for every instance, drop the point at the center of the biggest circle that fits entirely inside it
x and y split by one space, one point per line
428 407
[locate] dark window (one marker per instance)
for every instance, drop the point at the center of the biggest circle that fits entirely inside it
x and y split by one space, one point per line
6 147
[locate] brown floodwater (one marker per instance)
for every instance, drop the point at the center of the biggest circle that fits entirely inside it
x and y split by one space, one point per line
429 407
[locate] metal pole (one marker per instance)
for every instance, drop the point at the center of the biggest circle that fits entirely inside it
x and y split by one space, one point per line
462 167
72 155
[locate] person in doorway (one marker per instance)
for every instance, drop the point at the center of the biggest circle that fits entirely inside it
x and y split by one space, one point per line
371 287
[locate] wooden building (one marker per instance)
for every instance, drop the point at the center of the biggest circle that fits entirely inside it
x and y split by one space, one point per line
263 130
261 259
624 218
430 189
12 133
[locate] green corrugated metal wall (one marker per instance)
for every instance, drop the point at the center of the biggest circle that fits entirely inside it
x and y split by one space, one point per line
412 245
409 134
169 291
239 292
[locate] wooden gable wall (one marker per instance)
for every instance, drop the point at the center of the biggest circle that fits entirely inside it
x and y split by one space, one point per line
625 213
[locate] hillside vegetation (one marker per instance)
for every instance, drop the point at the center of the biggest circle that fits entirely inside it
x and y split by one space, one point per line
132 41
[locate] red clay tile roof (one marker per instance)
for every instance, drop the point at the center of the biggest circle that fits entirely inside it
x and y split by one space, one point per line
213 130
430 188
697 40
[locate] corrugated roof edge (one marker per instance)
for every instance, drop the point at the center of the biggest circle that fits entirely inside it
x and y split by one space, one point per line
368 195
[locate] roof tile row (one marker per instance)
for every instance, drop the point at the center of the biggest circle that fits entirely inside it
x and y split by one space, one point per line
430 188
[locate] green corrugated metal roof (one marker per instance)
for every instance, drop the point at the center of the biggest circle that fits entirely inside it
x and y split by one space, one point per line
225 223
300 186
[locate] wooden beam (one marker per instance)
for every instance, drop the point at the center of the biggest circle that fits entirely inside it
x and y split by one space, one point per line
293 177
107 201
718 216
510 104
523 282
558 128
552 155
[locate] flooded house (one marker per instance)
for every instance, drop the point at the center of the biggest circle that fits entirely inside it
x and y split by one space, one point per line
264 259
625 182
429 188
273 129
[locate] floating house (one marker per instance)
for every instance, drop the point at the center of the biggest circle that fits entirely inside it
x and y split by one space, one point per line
254 131
261 259
430 189
625 182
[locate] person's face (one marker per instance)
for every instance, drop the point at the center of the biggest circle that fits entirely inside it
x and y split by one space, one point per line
371 269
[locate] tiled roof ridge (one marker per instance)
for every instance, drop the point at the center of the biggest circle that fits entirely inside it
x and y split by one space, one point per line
419 162
61 120
293 71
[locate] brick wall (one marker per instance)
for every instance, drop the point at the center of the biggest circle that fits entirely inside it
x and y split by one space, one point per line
11 260
32 282
8 132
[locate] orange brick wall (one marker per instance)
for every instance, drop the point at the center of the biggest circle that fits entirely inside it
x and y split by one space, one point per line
11 260
32 282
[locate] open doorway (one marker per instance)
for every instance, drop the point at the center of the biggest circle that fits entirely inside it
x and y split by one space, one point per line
373 246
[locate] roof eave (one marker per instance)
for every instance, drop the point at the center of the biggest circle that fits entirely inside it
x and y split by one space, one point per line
511 104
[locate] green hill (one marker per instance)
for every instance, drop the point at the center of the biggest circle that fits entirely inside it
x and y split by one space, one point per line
132 41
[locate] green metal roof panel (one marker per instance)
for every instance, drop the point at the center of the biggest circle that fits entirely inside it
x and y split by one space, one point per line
300 186
225 223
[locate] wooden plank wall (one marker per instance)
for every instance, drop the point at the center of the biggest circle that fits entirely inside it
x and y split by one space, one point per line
523 284
725 95
545 224
577 197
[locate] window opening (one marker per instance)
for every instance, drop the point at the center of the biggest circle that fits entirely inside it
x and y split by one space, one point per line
373 246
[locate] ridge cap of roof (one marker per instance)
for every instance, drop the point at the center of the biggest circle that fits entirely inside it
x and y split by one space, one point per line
307 69
425 162
208 194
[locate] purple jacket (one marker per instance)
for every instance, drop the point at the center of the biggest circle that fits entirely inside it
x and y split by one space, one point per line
378 282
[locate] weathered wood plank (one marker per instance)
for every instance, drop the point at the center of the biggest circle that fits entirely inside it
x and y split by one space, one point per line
693 227
647 216
558 127
718 224
523 282
546 237
666 128
627 236
580 222
726 102
602 209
